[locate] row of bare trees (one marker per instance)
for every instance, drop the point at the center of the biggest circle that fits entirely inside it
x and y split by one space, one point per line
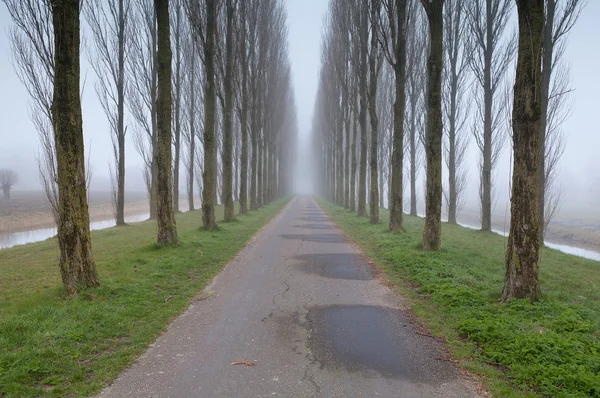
408 83
203 83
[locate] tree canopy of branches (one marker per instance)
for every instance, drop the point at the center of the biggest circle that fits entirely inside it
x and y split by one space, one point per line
109 23
490 56
32 48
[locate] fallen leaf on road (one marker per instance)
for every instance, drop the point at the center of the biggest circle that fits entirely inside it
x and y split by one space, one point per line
243 363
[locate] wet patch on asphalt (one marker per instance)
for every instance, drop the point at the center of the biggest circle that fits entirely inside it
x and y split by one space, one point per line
372 340
321 238
315 226
314 218
336 266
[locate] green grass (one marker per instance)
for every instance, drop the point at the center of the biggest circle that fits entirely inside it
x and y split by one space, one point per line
55 345
549 348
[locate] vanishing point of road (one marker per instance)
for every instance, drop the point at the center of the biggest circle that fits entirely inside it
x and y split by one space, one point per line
304 307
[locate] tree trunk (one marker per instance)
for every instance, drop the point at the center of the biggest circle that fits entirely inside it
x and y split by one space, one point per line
177 106
121 119
208 176
397 171
374 196
154 126
522 255
433 141
488 98
167 229
192 143
254 159
244 115
354 166
347 115
362 117
413 155
547 55
229 212
6 192
77 266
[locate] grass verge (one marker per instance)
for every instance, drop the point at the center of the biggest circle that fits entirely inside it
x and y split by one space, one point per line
55 345
550 348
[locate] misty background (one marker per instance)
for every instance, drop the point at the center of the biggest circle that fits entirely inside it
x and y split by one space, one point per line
579 170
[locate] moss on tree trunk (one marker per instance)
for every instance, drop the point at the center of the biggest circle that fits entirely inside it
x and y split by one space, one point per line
433 140
77 266
522 254
167 229
396 200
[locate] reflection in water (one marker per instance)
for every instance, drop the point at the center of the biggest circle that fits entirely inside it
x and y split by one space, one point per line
37 235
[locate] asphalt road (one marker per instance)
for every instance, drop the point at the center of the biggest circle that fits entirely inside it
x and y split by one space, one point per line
303 306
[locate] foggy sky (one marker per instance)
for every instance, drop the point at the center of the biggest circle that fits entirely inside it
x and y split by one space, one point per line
579 170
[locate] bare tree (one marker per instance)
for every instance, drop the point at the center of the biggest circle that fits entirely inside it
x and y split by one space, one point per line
177 32
394 48
245 53
203 19
455 104
522 255
415 111
109 21
374 68
32 48
559 19
193 113
433 139
490 56
230 10
77 264
142 91
8 178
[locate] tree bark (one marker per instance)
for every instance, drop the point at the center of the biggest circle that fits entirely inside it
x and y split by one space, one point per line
208 176
433 140
77 266
167 229
399 105
521 280
362 117
229 212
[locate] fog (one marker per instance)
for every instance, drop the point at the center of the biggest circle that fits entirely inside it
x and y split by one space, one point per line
579 174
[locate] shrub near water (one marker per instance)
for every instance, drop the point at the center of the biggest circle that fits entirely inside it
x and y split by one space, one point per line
53 345
551 347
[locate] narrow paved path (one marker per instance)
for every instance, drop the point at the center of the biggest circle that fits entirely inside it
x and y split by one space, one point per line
303 305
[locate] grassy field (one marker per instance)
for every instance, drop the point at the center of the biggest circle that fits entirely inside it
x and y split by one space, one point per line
550 348
55 345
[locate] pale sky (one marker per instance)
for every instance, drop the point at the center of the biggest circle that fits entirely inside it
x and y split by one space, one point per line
580 168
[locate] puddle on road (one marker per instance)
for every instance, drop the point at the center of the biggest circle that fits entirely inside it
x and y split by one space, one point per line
372 339
315 226
321 238
314 219
336 266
